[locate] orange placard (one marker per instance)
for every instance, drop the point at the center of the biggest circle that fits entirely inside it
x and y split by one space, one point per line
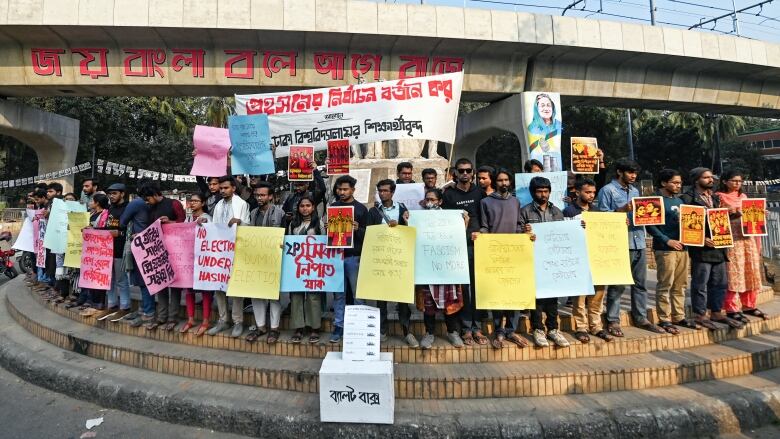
338 156
692 230
754 217
340 219
720 227
584 155
648 211
300 163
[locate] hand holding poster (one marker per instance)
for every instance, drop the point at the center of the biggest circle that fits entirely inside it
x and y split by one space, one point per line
503 264
97 259
39 231
692 230
308 265
440 255
56 236
338 156
211 150
214 248
76 222
410 194
648 211
179 239
608 248
340 221
558 182
754 217
151 257
720 227
387 264
26 240
251 145
584 155
561 260
542 115
257 264
300 163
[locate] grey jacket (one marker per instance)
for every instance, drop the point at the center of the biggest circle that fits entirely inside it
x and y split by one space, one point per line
273 218
530 214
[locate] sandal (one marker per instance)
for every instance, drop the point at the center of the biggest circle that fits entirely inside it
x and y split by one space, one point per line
187 326
516 339
652 328
733 324
705 323
668 327
468 339
252 335
755 312
686 324
314 337
738 316
480 338
296 338
273 336
615 331
582 337
151 326
169 326
202 330
498 341
604 335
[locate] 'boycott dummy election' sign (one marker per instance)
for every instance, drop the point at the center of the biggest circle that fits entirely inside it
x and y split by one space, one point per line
214 248
152 258
257 263
441 253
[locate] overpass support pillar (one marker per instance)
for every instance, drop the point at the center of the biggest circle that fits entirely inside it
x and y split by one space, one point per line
477 127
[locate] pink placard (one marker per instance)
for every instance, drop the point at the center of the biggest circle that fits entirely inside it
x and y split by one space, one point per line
179 240
152 258
211 151
97 259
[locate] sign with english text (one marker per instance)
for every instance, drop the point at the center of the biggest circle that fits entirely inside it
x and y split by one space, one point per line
441 256
215 245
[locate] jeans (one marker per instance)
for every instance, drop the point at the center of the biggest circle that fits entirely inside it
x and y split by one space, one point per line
638 291
147 300
469 314
708 286
119 284
351 266
42 277
549 307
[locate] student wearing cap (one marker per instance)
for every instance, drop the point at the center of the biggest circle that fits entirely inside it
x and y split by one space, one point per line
118 296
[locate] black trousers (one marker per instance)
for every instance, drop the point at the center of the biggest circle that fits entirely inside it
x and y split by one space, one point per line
550 308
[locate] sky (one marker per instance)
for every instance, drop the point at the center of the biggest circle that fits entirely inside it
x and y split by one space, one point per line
757 23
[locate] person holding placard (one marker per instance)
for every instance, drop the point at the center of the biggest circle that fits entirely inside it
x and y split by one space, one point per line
671 256
135 219
708 264
500 213
91 301
744 258
586 310
198 213
118 297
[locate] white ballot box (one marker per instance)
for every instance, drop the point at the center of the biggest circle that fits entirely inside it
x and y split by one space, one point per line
357 391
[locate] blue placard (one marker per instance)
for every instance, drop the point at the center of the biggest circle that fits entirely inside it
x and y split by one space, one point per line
557 181
308 265
441 253
250 139
561 260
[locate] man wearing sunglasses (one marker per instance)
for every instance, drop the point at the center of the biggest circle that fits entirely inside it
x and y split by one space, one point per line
466 196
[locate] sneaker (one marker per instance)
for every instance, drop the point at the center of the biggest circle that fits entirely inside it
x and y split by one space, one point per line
427 341
106 313
120 315
336 336
455 339
540 338
238 329
140 320
557 338
411 340
219 327
132 315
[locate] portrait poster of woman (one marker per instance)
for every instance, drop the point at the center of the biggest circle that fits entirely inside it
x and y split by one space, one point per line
542 125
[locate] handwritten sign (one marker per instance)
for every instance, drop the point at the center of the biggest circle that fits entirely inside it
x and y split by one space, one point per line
151 257
338 156
258 263
211 150
56 236
97 259
76 222
608 248
584 155
340 219
410 194
251 140
440 255
753 220
557 181
300 163
387 264
648 211
720 227
179 239
561 260
309 265
363 184
25 242
215 245
503 264
692 230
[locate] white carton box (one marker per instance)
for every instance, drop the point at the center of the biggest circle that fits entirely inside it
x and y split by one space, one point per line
357 391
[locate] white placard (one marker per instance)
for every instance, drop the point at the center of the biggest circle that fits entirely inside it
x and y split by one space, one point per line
25 241
363 185
361 333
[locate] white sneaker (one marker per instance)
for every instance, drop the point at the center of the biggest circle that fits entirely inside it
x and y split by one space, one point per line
557 338
411 340
455 339
540 338
427 341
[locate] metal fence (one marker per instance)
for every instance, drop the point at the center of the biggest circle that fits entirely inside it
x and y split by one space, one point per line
771 241
11 215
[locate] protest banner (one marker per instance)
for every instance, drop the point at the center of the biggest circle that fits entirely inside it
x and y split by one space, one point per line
76 222
561 260
251 145
179 239
720 227
309 265
151 257
440 253
215 245
606 234
257 264
25 242
410 194
542 116
410 108
753 220
338 156
39 231
97 259
692 230
503 264
648 211
211 150
300 163
584 155
56 236
340 219
558 182
387 264
363 184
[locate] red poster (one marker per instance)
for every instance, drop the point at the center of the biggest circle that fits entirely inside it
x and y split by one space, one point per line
720 227
754 217
300 163
97 259
340 219
338 156
648 211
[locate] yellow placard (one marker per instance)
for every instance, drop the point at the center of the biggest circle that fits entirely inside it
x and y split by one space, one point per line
387 264
607 235
257 263
76 222
504 271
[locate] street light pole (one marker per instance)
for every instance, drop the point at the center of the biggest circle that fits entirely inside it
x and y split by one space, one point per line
652 13
630 135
